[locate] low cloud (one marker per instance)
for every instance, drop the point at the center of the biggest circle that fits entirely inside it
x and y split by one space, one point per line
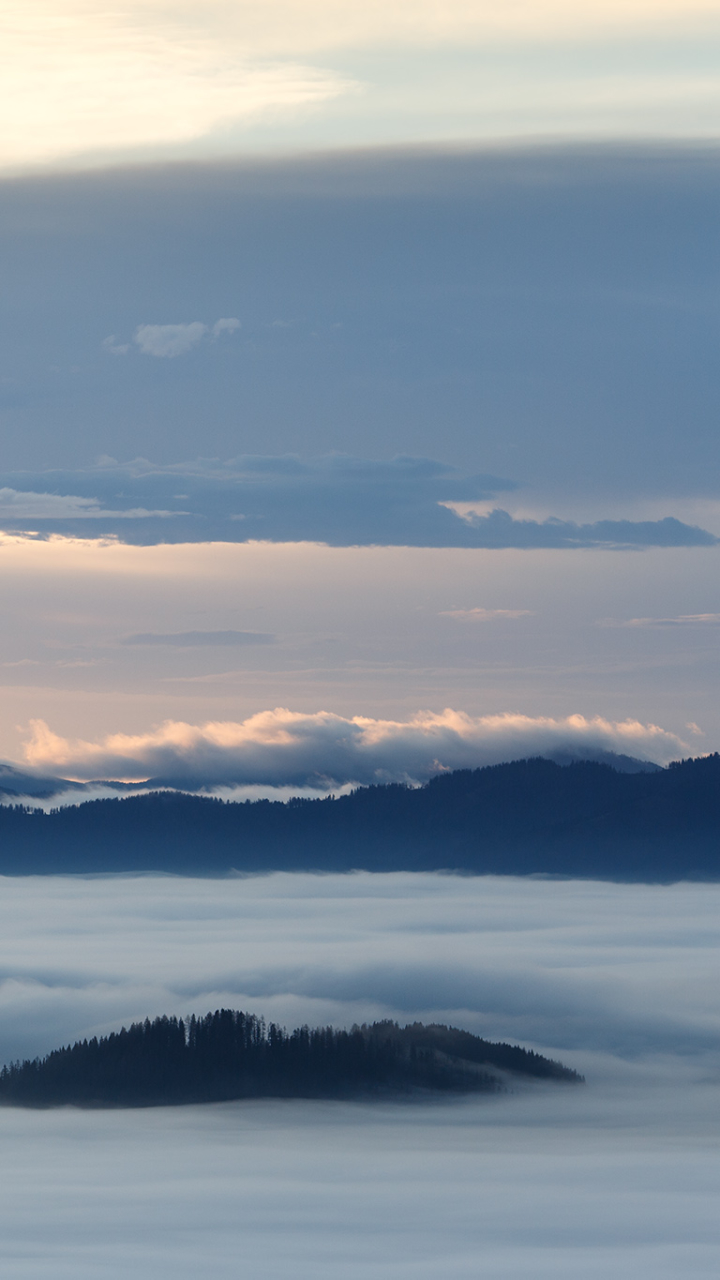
573 966
193 639
622 1166
338 500
617 1177
287 748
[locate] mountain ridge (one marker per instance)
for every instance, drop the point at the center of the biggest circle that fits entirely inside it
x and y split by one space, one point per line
529 817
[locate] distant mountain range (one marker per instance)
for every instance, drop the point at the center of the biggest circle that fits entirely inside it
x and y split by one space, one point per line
18 784
529 817
229 1055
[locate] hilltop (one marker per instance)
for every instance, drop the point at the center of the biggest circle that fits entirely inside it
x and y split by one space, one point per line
229 1055
528 817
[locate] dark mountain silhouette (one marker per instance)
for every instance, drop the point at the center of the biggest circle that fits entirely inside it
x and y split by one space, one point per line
228 1055
528 817
17 784
199 784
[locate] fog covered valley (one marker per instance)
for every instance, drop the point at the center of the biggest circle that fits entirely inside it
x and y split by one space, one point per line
617 981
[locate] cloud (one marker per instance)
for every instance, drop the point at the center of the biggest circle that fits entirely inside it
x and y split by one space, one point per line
18 506
552 1185
336 499
682 620
228 325
81 79
99 82
485 615
169 340
499 529
281 747
115 348
572 965
619 1176
194 639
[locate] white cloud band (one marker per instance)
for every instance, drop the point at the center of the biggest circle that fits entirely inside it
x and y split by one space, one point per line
281 747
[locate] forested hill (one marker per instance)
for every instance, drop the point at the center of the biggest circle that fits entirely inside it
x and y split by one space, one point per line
529 817
228 1055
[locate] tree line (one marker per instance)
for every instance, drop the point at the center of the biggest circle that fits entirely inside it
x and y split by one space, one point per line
229 1055
527 817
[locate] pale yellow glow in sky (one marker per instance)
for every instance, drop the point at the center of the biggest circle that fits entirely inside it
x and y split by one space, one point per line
77 78
80 78
281 28
371 631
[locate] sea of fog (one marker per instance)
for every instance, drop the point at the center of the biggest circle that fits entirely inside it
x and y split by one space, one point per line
619 1177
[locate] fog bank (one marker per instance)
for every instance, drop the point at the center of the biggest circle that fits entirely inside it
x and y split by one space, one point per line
620 1176
506 1188
627 972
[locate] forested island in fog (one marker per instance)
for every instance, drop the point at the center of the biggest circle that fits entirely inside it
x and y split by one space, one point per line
528 817
228 1055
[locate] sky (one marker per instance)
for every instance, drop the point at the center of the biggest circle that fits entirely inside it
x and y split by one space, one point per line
618 1176
86 83
359 419
358 380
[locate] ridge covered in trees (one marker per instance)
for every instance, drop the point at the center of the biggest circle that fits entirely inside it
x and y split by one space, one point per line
528 817
229 1055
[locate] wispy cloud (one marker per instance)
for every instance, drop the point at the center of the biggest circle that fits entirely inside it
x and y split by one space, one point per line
681 620
79 78
282 747
485 615
113 347
97 81
195 639
20 506
227 325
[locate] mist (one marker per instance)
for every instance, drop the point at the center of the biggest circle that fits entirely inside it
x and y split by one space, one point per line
627 972
618 1176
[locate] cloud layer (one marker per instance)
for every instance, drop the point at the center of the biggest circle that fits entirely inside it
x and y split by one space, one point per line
502 309
285 748
540 1187
84 80
624 971
336 499
620 1176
